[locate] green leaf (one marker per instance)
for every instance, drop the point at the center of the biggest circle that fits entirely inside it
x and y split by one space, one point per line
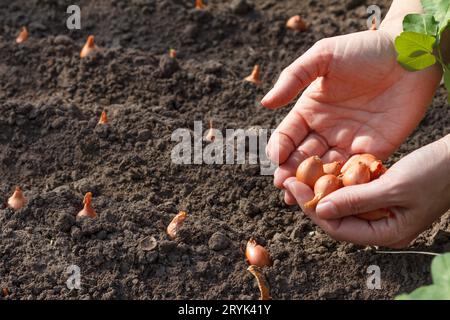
440 267
431 292
421 23
430 6
440 272
415 50
440 9
447 83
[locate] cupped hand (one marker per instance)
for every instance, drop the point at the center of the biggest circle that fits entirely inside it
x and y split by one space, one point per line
416 190
358 100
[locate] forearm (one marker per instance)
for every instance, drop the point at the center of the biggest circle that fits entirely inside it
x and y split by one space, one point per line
393 22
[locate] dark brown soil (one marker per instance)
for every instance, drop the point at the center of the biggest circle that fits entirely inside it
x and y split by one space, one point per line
50 101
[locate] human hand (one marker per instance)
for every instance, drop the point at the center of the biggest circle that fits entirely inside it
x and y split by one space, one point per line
416 190
358 100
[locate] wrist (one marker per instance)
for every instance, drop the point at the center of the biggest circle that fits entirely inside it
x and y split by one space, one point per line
392 24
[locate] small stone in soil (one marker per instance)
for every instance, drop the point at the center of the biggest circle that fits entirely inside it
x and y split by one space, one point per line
144 135
148 243
167 66
218 241
240 6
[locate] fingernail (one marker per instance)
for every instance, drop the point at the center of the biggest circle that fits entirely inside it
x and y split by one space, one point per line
267 97
326 210
288 184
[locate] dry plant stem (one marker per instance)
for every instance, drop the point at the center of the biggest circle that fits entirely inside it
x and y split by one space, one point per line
262 282
410 252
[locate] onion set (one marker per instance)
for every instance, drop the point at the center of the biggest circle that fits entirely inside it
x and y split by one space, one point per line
175 225
327 178
87 210
23 35
254 77
17 201
257 255
296 23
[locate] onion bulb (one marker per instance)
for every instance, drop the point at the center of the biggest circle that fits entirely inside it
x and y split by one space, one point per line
257 255
296 23
323 187
17 201
310 170
365 158
376 169
23 35
199 4
172 53
103 118
176 223
358 173
333 168
254 77
87 209
89 47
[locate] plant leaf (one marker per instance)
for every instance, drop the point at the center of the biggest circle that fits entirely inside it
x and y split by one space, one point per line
415 50
440 9
440 267
421 23
447 83
430 6
431 292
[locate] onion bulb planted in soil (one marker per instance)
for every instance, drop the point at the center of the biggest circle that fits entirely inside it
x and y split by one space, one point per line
23 35
89 47
257 255
254 77
103 118
175 225
17 201
199 4
87 210
296 23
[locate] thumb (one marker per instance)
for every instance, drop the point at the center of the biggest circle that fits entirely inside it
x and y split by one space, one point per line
311 65
354 199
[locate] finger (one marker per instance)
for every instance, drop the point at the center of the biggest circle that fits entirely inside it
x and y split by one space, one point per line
289 198
358 231
285 139
355 199
300 191
313 145
311 65
334 154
